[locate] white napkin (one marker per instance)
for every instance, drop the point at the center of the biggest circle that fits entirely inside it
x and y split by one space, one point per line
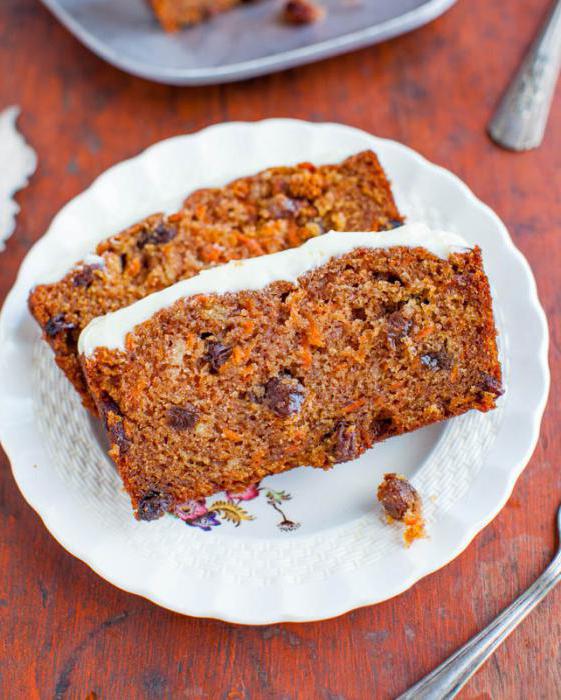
17 163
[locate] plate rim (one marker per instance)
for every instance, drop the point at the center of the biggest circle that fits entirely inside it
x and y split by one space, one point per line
350 602
243 70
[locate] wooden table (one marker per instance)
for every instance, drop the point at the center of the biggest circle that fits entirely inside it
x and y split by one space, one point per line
65 633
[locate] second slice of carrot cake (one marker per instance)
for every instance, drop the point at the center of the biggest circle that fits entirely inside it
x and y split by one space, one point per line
275 209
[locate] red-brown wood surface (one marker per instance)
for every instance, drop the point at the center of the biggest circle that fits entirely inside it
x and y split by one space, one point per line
66 633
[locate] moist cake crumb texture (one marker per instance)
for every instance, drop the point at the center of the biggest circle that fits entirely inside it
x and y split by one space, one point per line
276 209
216 392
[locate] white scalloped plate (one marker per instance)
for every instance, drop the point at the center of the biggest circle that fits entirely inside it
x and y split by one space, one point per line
326 550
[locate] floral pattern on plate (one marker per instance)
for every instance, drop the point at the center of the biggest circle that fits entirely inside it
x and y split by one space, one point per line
205 516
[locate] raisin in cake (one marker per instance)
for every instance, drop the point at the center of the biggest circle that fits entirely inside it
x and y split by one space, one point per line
305 357
276 209
402 503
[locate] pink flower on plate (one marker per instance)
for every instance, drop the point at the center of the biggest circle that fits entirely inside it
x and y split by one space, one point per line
191 510
248 494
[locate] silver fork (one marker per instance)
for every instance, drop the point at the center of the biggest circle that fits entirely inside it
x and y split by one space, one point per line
520 120
447 680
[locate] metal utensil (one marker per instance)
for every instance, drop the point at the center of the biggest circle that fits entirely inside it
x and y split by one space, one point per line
520 120
447 680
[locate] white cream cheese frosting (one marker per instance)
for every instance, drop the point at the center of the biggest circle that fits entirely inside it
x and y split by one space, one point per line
92 259
110 331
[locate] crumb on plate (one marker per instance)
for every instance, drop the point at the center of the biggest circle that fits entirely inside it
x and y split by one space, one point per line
402 502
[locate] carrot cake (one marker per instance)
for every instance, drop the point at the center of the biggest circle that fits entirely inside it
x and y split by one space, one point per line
276 209
174 14
305 357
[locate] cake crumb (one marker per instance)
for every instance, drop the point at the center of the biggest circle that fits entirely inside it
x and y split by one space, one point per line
402 503
302 12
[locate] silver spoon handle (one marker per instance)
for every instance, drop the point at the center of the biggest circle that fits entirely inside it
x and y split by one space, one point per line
520 120
447 680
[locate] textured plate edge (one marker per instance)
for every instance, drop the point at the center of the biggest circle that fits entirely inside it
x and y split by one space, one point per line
469 531
353 41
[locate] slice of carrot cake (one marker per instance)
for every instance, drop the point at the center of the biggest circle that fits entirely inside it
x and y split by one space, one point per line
174 14
305 357
276 209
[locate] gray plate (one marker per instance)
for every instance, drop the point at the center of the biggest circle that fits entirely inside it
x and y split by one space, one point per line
242 43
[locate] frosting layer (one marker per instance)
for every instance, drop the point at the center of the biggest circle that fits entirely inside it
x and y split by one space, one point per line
110 331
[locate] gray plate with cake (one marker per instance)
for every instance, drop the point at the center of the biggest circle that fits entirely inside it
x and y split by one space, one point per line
247 41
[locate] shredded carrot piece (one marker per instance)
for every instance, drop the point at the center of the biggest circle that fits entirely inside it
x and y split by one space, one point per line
140 386
349 408
294 235
232 435
315 336
134 267
366 438
200 212
256 247
360 355
414 528
237 355
251 243
249 304
306 355
246 373
247 326
296 439
241 188
259 457
424 332
292 302
291 449
190 340
210 253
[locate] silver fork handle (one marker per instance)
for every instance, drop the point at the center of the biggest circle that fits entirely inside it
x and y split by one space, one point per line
447 680
520 120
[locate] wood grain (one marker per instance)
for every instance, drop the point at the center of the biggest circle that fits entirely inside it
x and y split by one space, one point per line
64 632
